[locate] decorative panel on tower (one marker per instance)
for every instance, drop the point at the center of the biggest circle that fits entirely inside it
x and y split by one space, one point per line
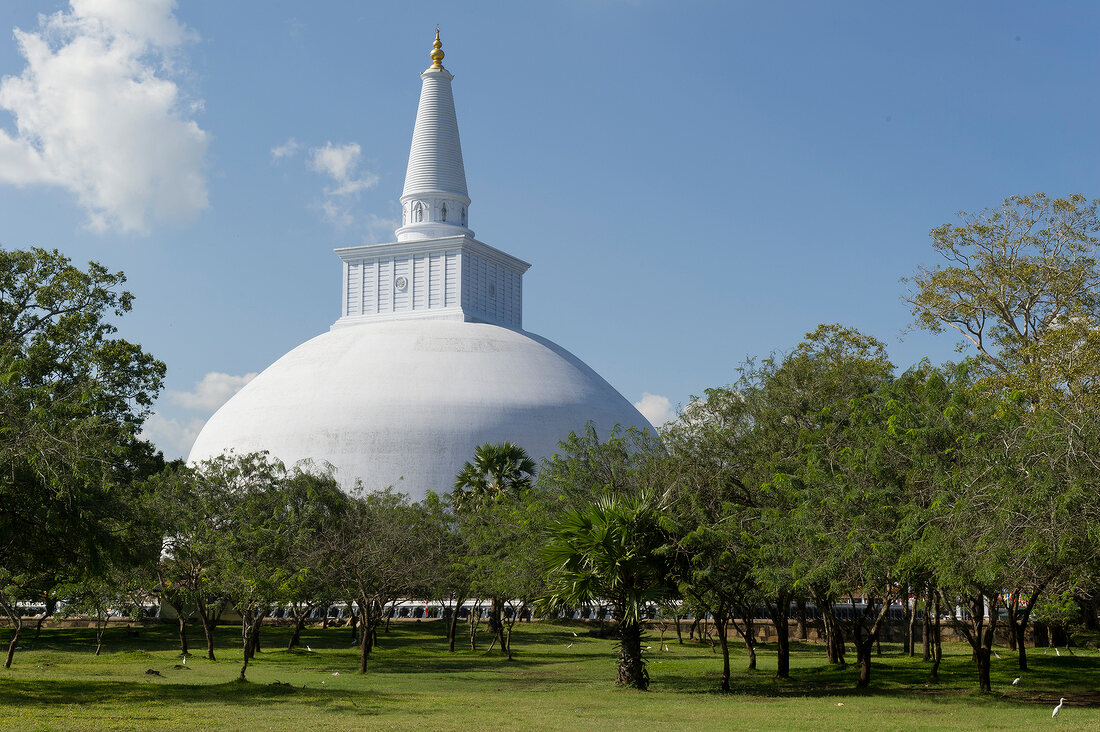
457 278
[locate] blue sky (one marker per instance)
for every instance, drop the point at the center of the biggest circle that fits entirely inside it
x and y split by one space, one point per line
694 183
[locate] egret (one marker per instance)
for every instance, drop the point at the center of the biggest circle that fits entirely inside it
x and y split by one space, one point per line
997 655
1059 653
569 646
185 660
1016 680
309 649
574 634
1057 708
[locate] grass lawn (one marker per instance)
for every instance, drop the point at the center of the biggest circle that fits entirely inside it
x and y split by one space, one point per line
414 683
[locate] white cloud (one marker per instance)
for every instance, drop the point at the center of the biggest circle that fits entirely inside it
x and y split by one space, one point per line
337 214
212 391
286 150
339 163
656 408
96 114
181 414
174 437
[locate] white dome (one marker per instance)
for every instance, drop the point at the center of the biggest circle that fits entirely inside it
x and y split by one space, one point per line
405 403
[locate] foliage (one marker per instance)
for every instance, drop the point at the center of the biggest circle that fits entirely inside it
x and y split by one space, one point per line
72 401
497 470
617 551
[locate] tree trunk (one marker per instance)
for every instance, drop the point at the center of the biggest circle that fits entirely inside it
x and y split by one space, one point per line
1013 611
183 632
937 648
296 636
1018 628
17 631
259 622
723 641
800 616
780 617
983 669
452 629
863 659
830 629
353 623
364 638
50 609
248 642
472 620
100 624
926 629
632 671
911 627
496 625
208 629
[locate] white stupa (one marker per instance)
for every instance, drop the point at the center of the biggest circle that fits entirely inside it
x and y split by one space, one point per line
428 359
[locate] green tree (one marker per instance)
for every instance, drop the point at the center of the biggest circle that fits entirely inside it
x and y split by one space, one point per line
1022 287
378 550
497 470
193 513
498 473
801 411
72 401
617 551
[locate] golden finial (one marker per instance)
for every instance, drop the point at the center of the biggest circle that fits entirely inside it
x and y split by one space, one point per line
437 52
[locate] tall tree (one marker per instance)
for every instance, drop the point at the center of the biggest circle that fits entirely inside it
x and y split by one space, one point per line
378 550
498 474
800 411
72 401
1021 285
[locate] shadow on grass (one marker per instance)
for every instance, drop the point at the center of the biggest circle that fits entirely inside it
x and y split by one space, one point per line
26 693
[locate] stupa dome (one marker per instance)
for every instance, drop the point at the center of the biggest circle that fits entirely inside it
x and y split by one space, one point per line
429 358
405 403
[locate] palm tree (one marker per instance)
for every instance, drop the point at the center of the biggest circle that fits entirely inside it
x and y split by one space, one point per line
501 471
614 551
504 469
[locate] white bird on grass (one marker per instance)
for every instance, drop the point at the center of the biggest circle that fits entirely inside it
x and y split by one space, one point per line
309 649
574 634
569 646
1059 653
185 660
997 655
1016 680
1057 708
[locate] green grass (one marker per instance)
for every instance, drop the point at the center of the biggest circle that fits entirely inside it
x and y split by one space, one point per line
414 683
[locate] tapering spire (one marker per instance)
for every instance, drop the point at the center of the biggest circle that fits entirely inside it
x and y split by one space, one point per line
435 202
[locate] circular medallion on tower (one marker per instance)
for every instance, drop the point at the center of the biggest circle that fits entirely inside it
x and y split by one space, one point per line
401 283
